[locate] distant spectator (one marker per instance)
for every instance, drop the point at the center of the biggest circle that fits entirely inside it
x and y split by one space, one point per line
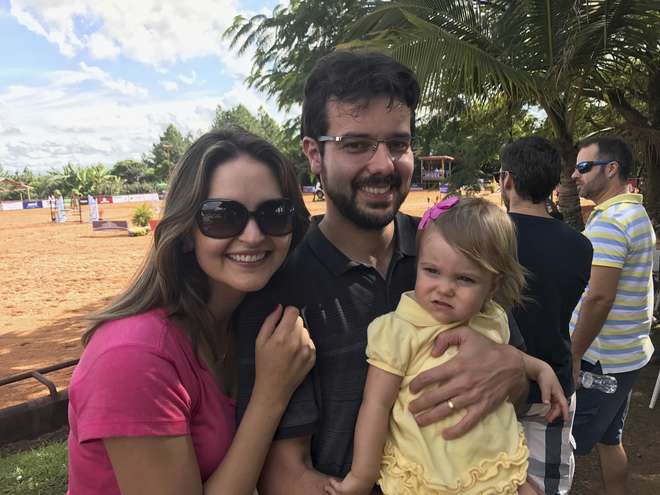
610 327
558 260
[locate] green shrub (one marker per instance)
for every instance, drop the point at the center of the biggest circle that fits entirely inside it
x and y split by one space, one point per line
141 215
138 231
38 471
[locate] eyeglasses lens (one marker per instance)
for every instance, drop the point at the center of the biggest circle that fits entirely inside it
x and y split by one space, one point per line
275 217
221 219
365 148
584 167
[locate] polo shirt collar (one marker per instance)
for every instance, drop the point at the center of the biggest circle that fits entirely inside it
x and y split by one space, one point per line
338 263
620 198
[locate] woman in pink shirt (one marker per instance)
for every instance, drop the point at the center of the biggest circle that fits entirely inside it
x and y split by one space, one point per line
150 403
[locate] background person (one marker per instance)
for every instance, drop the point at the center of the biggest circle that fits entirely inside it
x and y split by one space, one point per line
611 324
151 406
462 275
558 261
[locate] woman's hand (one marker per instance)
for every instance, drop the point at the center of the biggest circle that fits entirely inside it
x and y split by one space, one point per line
284 354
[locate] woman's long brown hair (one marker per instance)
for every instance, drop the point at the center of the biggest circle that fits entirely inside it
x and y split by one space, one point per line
170 276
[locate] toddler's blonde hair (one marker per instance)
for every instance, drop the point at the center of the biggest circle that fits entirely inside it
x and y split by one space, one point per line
485 234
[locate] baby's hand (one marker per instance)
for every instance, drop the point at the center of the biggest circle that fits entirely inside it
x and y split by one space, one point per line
351 485
552 393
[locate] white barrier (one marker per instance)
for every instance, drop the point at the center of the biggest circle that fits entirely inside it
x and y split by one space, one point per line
135 198
123 198
11 205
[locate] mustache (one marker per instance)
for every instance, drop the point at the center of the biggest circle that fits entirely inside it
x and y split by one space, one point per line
393 180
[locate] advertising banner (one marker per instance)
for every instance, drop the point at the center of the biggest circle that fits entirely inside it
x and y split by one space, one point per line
30 204
135 198
104 200
122 198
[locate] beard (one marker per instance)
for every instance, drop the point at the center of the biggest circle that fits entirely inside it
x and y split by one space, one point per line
346 202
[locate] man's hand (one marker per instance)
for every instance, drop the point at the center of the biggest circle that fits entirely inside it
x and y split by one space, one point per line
480 377
350 485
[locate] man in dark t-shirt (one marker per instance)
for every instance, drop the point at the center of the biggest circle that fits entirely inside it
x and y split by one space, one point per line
352 266
558 260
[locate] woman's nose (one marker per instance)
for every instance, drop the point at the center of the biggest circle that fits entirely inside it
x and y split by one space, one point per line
251 234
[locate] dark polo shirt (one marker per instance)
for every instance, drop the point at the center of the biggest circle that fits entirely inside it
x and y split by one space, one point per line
338 299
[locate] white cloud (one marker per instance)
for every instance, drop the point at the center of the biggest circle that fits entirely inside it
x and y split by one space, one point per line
153 32
169 85
188 79
51 20
65 119
102 47
119 85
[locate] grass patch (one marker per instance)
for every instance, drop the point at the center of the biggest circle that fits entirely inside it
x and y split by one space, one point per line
42 470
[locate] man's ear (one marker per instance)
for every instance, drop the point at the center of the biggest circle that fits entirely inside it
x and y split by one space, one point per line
613 169
312 151
508 181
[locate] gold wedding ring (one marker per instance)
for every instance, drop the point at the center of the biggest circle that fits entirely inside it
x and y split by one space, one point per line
451 405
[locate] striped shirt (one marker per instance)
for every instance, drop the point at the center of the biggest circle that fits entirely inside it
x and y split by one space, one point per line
622 237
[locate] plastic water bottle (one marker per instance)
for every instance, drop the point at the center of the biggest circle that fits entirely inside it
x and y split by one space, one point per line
605 383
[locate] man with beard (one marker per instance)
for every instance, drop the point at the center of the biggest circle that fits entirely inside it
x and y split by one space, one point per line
558 260
611 324
358 122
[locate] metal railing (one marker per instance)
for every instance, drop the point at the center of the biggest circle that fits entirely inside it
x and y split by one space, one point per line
38 375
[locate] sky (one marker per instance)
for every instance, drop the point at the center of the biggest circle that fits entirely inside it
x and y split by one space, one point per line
98 81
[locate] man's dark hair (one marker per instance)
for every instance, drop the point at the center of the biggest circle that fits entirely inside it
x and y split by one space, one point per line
535 165
612 148
355 77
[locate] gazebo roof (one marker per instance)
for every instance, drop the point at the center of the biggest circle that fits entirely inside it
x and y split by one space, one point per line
436 158
15 183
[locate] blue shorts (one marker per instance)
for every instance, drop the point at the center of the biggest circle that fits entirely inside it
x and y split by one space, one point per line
599 417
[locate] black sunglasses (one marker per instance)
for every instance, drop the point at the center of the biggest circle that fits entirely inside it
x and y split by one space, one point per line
584 167
223 218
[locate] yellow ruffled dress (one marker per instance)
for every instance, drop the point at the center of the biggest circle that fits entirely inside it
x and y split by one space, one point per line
490 459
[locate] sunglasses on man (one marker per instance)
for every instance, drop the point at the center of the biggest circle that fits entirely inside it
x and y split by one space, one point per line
223 218
584 167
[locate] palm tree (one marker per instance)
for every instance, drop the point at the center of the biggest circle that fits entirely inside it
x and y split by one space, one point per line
540 52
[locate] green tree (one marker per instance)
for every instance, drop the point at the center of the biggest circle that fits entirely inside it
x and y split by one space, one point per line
166 152
534 51
284 138
474 135
132 171
95 179
288 43
629 104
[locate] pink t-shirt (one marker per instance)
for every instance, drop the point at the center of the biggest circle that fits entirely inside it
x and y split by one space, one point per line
139 376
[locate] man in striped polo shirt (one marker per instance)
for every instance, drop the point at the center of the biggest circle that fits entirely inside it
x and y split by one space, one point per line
611 324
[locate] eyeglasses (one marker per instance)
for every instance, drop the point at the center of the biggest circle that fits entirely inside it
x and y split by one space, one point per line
223 218
364 148
584 167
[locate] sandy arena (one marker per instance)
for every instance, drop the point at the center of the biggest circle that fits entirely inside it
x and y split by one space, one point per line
53 275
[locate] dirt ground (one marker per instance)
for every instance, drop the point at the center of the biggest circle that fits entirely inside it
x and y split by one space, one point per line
52 275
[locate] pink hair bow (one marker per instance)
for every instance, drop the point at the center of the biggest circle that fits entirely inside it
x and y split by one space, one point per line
436 210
